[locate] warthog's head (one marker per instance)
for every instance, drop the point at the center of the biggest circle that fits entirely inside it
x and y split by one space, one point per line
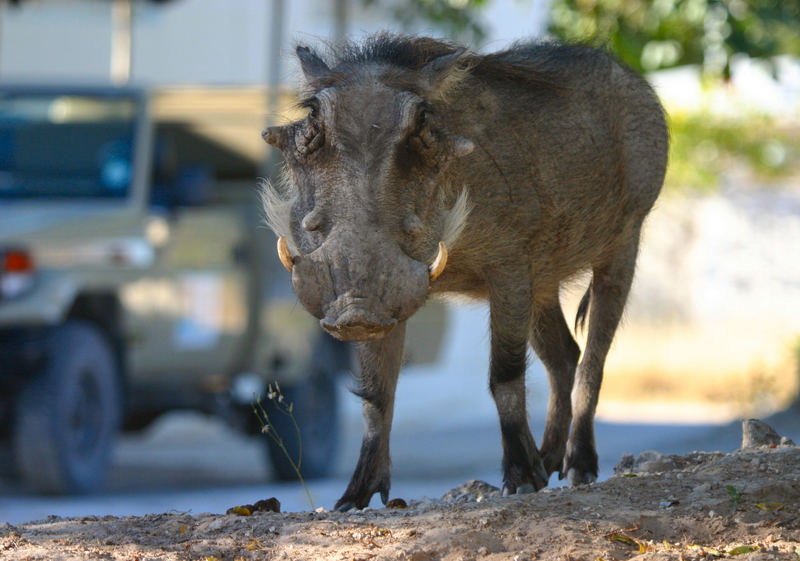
366 214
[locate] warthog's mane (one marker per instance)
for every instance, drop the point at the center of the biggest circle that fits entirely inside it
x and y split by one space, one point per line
540 64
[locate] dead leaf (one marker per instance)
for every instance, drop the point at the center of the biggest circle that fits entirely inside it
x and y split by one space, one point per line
770 506
743 549
705 550
616 536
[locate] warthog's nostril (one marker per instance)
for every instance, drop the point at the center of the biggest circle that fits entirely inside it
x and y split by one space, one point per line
357 325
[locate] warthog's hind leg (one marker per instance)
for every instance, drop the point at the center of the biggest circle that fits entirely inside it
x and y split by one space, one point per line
553 343
379 363
611 282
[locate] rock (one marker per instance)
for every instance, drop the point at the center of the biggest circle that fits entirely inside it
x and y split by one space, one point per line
649 461
267 505
471 491
656 466
758 433
264 505
625 464
786 441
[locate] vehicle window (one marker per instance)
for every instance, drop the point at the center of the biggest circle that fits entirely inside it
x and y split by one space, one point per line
65 146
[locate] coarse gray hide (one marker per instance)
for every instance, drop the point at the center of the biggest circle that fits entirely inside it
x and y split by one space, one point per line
421 167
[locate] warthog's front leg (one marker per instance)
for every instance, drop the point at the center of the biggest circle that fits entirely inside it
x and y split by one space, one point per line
509 305
379 363
558 351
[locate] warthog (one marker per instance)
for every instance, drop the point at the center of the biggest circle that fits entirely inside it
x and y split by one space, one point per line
423 168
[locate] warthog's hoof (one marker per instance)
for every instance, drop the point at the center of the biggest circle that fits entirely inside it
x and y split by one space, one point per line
580 463
577 477
523 489
360 500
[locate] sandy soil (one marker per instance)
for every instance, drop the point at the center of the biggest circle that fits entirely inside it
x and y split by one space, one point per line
703 505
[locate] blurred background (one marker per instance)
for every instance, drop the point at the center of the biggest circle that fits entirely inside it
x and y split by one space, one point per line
139 290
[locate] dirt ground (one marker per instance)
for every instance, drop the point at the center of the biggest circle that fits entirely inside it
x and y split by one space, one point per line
703 505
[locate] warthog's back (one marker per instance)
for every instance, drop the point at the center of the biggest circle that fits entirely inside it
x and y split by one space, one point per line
571 149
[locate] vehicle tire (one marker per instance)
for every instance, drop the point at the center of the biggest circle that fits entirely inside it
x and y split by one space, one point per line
67 417
316 411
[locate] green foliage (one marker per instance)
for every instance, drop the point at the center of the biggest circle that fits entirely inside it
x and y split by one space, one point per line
735 495
703 146
459 19
653 34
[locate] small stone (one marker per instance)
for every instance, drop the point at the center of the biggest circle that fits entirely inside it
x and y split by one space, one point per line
216 524
651 461
396 503
267 505
483 551
786 441
469 491
702 488
625 463
758 433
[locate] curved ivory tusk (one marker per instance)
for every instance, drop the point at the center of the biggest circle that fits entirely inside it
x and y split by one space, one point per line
284 254
437 267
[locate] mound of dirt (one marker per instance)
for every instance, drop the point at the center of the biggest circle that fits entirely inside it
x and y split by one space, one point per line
702 505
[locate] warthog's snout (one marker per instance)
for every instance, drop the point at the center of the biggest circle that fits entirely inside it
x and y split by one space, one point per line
359 292
349 319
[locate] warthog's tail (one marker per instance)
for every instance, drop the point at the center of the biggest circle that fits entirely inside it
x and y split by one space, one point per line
583 309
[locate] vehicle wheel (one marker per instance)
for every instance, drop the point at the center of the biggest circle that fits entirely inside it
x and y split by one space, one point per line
66 418
315 408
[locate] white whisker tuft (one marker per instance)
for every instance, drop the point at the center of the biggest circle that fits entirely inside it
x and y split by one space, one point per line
456 218
277 208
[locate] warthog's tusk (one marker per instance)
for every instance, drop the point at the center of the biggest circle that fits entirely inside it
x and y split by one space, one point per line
439 263
284 254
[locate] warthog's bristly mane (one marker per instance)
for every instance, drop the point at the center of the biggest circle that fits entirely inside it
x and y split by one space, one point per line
410 53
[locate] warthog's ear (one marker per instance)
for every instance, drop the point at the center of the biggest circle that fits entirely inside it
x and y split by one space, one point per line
276 136
441 74
313 67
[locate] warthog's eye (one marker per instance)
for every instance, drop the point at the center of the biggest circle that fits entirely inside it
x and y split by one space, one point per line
422 134
309 135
